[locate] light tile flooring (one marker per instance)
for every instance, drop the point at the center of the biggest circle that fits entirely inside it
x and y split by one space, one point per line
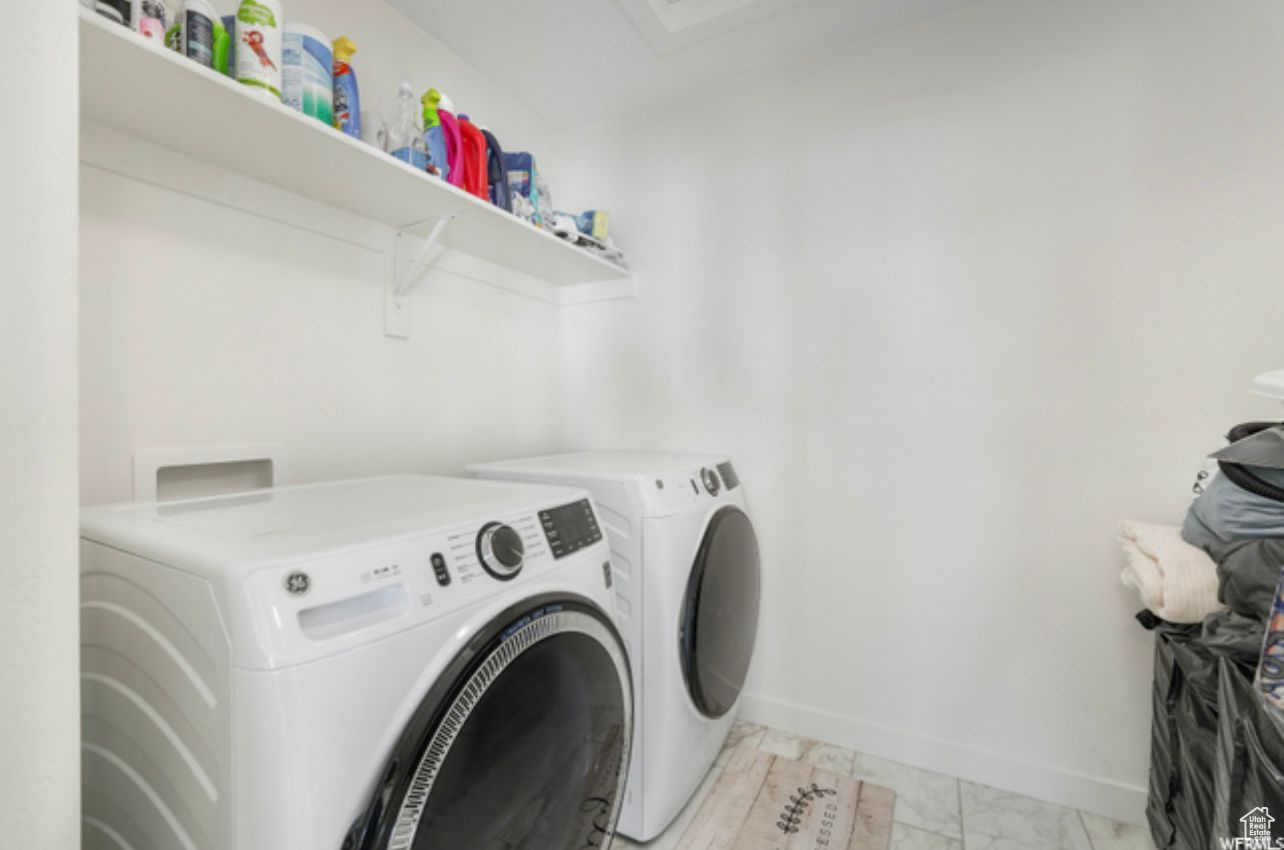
933 811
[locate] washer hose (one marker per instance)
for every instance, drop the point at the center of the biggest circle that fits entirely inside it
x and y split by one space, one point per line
1239 474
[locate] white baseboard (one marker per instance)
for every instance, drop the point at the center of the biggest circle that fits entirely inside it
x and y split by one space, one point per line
1116 800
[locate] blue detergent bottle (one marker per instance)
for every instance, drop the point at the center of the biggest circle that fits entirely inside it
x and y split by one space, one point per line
434 135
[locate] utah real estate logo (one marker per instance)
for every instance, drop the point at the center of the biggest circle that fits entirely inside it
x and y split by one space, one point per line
1256 834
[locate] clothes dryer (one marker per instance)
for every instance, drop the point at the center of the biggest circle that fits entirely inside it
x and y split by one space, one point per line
687 580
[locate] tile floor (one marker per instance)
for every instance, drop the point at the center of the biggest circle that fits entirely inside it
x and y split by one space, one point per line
933 811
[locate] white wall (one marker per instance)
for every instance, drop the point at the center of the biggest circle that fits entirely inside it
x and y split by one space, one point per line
39 693
957 298
243 315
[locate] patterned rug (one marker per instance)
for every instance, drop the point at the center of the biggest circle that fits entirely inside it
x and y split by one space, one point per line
766 802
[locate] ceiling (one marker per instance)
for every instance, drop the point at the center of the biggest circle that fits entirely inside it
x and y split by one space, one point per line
578 61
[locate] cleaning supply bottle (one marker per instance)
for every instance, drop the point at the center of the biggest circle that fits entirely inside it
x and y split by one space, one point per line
307 72
473 154
151 18
259 36
406 136
223 48
195 30
116 11
595 223
347 99
434 135
454 145
496 173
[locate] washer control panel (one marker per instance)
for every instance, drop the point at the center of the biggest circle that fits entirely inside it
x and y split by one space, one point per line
499 550
569 528
355 595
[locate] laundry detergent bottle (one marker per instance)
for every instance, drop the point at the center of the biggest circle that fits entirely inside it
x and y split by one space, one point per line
347 99
473 153
434 135
307 72
454 145
259 38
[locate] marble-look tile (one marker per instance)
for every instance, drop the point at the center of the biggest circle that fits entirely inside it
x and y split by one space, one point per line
669 839
999 820
1107 834
742 733
926 800
905 837
985 842
827 756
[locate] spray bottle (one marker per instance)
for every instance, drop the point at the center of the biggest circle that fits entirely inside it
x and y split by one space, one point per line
347 98
406 136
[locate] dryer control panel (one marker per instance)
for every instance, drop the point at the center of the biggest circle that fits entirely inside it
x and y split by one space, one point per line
691 488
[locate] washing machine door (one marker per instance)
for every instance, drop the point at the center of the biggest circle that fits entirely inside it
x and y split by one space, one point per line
522 745
719 622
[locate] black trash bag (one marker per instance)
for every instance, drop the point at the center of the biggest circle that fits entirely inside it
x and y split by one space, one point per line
1250 760
1183 740
1164 782
1234 636
1196 714
1247 573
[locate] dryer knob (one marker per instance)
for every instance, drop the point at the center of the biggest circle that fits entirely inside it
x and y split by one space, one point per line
500 550
711 482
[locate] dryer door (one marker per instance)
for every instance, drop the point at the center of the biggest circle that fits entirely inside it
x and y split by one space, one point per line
523 744
720 613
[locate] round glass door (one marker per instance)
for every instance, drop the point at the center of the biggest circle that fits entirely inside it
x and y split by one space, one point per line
529 751
720 613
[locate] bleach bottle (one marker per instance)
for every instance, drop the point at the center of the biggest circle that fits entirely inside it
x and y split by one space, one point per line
435 134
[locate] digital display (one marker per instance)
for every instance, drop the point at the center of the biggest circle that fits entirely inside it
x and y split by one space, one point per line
570 528
729 477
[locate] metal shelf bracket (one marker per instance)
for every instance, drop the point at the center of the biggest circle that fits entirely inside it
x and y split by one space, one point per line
406 279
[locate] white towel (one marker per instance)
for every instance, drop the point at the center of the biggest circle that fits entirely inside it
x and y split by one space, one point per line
1176 581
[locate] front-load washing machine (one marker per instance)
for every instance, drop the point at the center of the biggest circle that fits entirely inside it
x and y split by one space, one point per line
687 582
404 663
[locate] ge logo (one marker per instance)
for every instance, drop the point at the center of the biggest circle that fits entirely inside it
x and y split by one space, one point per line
298 583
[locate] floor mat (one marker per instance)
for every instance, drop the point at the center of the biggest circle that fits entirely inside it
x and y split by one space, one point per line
766 802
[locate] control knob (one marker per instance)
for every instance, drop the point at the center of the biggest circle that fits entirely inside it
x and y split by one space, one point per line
500 550
711 482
